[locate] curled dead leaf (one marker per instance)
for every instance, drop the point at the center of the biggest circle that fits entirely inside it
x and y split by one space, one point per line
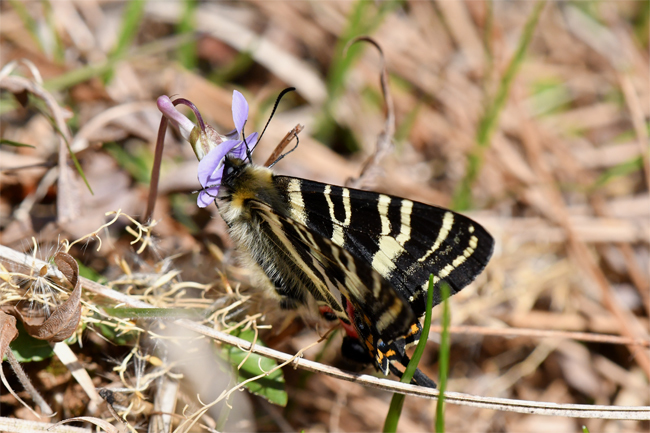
64 320
68 267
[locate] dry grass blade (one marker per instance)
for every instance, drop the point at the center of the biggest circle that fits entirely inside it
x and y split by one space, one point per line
385 138
508 405
286 140
71 361
68 203
542 333
104 425
21 425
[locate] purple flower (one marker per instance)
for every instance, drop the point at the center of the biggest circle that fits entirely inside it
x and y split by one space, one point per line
209 146
211 166
211 172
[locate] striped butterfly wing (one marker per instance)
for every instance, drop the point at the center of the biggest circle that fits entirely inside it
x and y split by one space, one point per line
403 241
327 271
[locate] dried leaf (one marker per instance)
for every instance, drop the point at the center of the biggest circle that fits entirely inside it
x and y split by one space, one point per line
64 320
8 332
68 267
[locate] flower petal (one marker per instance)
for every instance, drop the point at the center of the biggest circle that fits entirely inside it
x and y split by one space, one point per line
206 196
240 151
178 119
252 140
239 110
212 160
232 135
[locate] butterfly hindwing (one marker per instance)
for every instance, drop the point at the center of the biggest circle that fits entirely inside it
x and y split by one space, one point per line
336 272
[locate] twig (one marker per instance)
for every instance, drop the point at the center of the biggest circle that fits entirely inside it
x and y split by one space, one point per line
544 333
27 385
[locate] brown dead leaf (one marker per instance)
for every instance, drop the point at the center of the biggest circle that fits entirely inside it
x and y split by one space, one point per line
8 332
68 267
64 319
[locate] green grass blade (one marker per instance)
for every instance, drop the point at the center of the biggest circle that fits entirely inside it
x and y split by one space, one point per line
620 170
131 19
136 160
405 127
397 402
360 21
85 73
186 53
443 358
29 22
40 107
80 170
73 157
133 14
419 349
59 48
15 143
463 197
240 64
364 18
641 23
154 313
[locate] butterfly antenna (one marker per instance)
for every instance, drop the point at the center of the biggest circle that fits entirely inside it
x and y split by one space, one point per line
286 153
277 102
249 154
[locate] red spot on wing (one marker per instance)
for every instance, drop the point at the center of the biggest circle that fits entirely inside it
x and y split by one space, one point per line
349 328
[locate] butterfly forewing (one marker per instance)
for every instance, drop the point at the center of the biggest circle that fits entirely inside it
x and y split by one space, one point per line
404 241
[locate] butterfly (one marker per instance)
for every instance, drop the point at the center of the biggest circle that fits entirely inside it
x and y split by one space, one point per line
364 257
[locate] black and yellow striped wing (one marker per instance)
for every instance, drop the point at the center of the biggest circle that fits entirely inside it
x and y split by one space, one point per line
363 256
403 241
308 261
